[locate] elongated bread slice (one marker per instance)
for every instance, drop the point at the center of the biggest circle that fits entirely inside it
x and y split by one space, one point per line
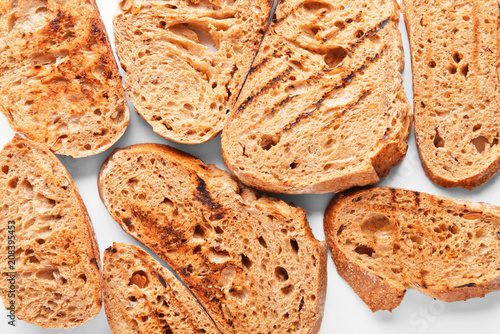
251 260
323 108
140 296
455 59
183 88
49 261
59 82
386 240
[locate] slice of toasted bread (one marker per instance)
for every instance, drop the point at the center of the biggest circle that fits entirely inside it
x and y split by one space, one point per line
59 82
323 108
251 260
455 59
386 240
49 252
140 296
181 87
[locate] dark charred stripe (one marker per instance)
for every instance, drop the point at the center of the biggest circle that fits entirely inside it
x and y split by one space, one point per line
468 285
368 34
269 85
351 75
94 260
204 196
349 107
275 20
259 65
417 198
162 280
316 105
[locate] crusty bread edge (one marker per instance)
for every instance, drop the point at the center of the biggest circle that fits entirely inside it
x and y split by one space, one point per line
183 158
18 139
373 290
467 183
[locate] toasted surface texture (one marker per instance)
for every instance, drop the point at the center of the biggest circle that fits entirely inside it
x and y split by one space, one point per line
251 260
58 280
386 240
455 58
323 108
140 296
181 87
59 82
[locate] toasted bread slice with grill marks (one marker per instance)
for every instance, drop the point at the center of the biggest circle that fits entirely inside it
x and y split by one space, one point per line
386 240
181 86
47 240
251 260
59 82
455 54
142 296
323 108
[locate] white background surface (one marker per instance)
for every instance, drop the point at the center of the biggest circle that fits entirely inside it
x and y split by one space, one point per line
344 310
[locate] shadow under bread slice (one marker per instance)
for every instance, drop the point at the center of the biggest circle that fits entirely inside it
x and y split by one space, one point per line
251 260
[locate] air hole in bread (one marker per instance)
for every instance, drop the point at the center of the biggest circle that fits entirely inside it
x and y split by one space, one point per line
378 225
396 270
139 279
359 34
452 69
219 230
5 169
199 232
128 224
335 56
262 242
432 64
83 277
466 17
218 255
268 141
245 260
48 274
13 182
287 289
479 143
295 245
416 239
293 165
32 260
317 7
119 115
40 241
88 147
238 291
457 57
340 24
281 274
476 127
481 234
438 141
132 299
464 70
364 250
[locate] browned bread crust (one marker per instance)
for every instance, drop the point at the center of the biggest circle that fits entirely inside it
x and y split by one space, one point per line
455 54
251 260
59 82
183 89
386 240
323 108
140 296
58 280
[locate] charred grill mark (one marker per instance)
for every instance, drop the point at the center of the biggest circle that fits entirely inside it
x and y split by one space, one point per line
269 85
368 34
417 198
55 23
468 285
259 65
349 107
317 105
275 20
94 261
95 31
351 75
162 280
111 249
204 196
